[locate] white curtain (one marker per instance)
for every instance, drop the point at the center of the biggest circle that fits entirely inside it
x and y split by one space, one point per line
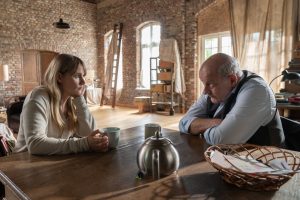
262 33
169 51
109 67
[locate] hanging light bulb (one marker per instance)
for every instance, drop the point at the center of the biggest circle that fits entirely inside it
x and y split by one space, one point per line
61 24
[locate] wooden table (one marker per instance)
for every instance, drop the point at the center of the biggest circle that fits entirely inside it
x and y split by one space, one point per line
289 110
112 175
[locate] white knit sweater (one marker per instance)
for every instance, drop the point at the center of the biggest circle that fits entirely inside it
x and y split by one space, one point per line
39 134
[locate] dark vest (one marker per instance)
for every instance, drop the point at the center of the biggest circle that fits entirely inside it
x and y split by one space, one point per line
270 134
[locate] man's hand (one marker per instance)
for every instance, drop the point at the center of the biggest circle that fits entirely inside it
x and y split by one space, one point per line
200 125
97 141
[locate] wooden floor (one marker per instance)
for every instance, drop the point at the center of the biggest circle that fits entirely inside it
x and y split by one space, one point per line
129 117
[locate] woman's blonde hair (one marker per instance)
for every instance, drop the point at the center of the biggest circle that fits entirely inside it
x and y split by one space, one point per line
62 64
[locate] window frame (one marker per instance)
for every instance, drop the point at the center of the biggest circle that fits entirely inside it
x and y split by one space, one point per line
218 35
140 47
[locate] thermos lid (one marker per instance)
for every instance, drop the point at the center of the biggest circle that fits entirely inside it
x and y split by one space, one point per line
158 139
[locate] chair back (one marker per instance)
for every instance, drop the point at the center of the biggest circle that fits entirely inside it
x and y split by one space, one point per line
291 131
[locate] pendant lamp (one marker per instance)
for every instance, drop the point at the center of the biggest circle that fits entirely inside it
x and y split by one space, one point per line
61 24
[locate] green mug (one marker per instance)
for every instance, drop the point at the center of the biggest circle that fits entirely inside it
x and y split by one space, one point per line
113 134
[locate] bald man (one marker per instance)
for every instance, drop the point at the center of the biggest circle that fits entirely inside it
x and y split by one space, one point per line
236 106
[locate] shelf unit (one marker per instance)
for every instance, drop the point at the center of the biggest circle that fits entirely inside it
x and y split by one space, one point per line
162 80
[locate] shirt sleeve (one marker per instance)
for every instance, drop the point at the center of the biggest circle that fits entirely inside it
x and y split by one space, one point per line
255 106
197 110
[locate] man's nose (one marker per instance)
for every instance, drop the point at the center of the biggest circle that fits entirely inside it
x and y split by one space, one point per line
206 90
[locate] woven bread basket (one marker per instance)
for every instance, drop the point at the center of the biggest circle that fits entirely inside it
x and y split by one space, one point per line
255 181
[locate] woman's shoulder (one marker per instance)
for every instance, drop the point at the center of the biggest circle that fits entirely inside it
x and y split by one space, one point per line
40 94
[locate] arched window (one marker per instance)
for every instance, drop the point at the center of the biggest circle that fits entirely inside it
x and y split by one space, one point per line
148 35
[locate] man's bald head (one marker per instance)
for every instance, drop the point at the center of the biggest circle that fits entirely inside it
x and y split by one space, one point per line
223 64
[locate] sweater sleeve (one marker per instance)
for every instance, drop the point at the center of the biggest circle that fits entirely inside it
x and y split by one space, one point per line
86 121
35 124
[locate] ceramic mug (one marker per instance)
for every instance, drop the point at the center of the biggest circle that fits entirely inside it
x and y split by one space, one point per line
150 129
113 134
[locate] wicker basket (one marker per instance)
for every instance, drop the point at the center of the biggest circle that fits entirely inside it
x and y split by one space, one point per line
255 181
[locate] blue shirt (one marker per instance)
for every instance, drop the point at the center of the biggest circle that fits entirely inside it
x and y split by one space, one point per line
255 106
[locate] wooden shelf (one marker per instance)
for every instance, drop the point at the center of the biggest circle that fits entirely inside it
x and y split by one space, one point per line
162 81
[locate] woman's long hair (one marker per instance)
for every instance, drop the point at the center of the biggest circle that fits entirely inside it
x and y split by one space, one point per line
61 64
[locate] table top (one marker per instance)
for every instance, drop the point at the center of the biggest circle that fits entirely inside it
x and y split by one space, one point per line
288 105
112 175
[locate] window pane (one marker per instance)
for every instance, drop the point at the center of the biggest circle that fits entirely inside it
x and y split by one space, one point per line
156 33
145 35
207 53
227 50
145 71
154 75
150 39
226 41
214 50
226 45
210 47
214 43
207 43
155 51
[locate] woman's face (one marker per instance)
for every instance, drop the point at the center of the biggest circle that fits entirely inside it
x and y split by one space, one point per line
72 84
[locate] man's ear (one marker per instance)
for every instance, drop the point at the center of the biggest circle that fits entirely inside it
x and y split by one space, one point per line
233 79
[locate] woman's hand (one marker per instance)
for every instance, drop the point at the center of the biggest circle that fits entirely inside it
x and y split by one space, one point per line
97 141
80 92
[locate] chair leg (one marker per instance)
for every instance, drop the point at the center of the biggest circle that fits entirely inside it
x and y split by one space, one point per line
2 191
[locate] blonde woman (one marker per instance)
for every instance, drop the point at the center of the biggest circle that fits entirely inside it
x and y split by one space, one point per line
55 118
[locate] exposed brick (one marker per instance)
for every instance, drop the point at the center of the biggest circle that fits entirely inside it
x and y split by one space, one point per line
27 24
178 20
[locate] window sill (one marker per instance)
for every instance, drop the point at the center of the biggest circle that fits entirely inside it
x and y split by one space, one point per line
142 89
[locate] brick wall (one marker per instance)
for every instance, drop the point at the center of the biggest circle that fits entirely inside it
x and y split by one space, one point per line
27 24
178 20
218 13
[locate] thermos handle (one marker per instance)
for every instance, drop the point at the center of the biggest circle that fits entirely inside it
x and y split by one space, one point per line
155 164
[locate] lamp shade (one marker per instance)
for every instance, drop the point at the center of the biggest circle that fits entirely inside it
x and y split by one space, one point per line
61 24
4 76
289 76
